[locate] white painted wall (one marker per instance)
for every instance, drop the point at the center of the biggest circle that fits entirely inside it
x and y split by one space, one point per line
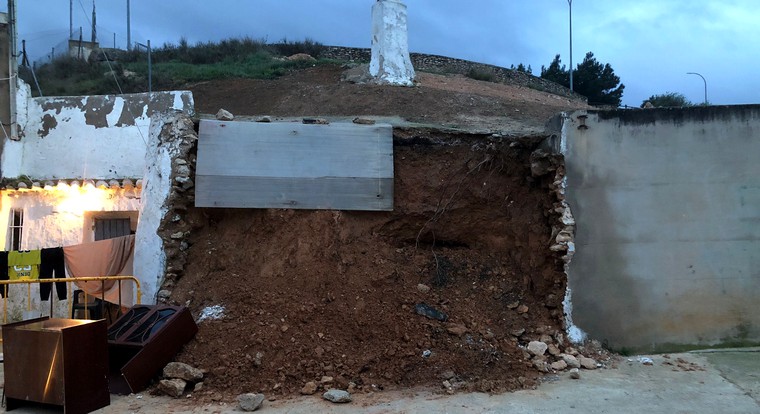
55 218
85 136
390 63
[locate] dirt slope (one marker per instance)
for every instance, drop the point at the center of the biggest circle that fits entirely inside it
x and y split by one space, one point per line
451 100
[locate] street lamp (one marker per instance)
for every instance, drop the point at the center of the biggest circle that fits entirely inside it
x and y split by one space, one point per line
703 80
570 4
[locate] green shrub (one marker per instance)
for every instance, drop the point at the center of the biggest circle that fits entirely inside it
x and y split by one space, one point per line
481 75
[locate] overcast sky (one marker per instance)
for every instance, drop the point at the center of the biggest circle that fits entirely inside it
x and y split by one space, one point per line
651 44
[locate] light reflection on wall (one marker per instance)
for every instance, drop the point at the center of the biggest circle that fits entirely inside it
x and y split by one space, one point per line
75 199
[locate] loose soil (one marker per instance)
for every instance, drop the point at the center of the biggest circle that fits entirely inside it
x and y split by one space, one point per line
316 294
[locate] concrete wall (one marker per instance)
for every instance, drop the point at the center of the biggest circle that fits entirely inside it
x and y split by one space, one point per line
667 205
85 136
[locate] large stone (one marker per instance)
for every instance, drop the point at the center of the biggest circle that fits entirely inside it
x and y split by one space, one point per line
172 387
337 396
182 371
571 361
309 388
559 365
554 350
537 347
587 363
456 329
575 373
250 402
224 115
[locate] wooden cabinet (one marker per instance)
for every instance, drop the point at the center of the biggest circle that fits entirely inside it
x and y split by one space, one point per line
61 362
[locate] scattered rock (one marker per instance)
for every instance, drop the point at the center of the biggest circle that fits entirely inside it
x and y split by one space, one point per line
178 235
575 373
646 360
224 115
559 365
172 387
317 121
517 332
423 288
456 329
211 312
337 396
264 119
429 312
447 375
364 121
546 339
537 347
571 361
587 363
326 380
164 294
553 350
257 359
522 309
198 387
250 402
182 371
541 365
309 388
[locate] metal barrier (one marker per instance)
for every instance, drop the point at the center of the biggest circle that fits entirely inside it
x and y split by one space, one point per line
67 280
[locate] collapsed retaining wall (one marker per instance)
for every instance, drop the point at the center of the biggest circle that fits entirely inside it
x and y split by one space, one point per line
668 238
160 243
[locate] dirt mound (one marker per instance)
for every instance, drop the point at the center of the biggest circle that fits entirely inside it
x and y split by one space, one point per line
315 294
451 100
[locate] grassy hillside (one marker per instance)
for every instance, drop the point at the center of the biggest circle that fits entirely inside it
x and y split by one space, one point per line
174 66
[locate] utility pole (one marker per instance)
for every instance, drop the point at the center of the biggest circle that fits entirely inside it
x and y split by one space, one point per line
13 69
570 3
94 30
129 34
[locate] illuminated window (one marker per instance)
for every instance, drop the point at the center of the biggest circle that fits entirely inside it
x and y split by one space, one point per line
15 227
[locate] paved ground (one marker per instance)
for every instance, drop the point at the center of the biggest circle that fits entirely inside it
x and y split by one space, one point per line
700 382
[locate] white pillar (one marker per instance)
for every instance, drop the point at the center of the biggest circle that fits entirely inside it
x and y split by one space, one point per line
390 62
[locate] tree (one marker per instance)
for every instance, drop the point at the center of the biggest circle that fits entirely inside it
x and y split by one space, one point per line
556 72
592 79
522 68
668 99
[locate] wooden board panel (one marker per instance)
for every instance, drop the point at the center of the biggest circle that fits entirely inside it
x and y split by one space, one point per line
292 165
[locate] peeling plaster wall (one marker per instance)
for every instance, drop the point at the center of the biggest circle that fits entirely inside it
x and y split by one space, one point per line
86 136
668 225
52 219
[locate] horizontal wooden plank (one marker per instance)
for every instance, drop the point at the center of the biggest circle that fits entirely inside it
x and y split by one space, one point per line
292 165
294 150
298 193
